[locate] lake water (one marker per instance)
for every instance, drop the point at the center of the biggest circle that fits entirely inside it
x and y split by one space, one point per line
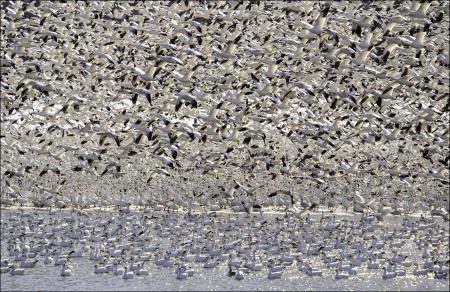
44 277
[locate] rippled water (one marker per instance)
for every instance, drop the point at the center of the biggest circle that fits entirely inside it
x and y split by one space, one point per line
47 277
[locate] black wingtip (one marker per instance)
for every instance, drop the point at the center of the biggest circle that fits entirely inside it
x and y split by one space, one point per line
325 11
237 39
385 57
427 26
254 77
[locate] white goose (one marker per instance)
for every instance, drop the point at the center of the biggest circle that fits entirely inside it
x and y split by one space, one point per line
274 272
66 271
27 263
210 264
141 271
418 272
100 270
239 275
373 264
317 28
118 271
181 273
253 265
340 276
228 52
15 271
421 12
5 270
312 271
127 274
388 275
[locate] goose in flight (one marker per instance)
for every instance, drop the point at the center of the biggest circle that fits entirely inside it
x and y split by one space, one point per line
283 192
317 28
418 41
229 51
418 12
363 22
345 81
150 74
211 117
111 135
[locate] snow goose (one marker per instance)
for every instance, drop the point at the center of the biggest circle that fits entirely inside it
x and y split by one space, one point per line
181 273
418 41
117 270
388 275
141 271
66 271
229 51
275 272
16 271
421 11
101 270
338 276
363 22
418 272
5 269
28 263
373 264
438 275
253 265
310 271
239 275
127 274
210 263
317 28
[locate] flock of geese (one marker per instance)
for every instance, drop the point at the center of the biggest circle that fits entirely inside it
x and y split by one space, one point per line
232 103
243 106
134 244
